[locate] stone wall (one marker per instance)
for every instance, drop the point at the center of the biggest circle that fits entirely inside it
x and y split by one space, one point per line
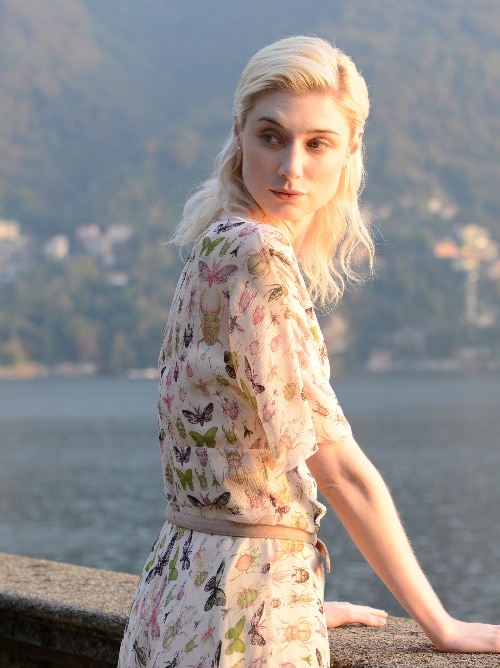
54 615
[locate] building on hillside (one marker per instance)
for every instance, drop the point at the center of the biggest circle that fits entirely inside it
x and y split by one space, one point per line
14 251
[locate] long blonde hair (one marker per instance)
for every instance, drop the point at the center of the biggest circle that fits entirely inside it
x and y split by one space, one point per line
338 238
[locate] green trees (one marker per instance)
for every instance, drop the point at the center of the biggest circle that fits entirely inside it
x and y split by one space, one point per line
74 311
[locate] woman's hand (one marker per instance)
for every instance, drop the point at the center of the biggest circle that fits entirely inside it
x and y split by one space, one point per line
469 637
337 613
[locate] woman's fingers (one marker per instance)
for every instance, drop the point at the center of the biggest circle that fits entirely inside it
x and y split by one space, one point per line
338 613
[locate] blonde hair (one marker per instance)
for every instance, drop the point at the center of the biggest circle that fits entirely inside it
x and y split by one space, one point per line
338 237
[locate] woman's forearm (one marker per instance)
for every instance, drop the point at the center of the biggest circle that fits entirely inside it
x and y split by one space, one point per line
356 491
358 494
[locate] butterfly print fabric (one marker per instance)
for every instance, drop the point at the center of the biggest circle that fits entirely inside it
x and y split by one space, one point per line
244 398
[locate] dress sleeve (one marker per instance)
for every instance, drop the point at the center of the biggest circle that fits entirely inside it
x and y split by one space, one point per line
280 357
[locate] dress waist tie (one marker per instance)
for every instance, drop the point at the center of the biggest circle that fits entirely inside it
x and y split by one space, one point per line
228 528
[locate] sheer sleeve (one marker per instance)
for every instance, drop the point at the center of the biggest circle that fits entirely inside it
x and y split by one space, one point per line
278 353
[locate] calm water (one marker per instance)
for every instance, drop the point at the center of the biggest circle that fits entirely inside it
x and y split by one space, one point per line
80 479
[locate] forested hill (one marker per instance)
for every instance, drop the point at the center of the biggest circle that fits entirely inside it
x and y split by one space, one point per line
111 109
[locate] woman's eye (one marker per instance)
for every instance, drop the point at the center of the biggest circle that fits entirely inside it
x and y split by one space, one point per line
318 143
270 138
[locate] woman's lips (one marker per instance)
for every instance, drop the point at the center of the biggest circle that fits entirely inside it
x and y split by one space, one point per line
287 195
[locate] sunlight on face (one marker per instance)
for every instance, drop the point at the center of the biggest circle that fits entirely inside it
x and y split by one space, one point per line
294 148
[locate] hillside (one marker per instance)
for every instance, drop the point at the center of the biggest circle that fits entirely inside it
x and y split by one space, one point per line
112 110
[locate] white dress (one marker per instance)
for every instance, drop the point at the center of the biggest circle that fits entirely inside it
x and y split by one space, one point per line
244 398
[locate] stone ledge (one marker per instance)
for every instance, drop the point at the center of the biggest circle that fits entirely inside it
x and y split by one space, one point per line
55 615
399 644
63 614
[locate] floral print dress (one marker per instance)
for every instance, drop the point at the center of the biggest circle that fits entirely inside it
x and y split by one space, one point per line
244 399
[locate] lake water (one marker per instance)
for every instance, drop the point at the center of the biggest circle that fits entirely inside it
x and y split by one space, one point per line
80 478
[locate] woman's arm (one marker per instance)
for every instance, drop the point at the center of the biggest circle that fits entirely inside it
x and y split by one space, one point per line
359 496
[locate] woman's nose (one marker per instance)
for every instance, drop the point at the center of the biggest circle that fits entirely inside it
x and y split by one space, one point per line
291 162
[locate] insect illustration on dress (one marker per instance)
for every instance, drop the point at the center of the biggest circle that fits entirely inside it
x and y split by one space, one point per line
192 295
310 312
234 252
247 432
217 595
303 599
173 630
177 336
202 478
229 406
162 561
226 246
221 380
208 246
153 619
176 372
300 575
202 454
186 551
203 387
323 353
216 659
168 378
318 658
230 436
208 438
182 455
168 401
180 428
276 291
302 631
188 335
321 410
210 306
236 471
186 479
173 573
280 256
248 396
219 502
233 324
140 655
255 627
236 644
199 416
216 273
231 362
225 227
279 510
174 663
246 298
257 388
169 473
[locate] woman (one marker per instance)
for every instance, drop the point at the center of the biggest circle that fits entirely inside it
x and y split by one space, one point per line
248 421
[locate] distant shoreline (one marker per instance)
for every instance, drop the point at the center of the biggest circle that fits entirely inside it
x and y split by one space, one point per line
32 370
378 366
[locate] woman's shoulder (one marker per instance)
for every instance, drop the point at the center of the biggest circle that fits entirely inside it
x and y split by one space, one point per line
245 235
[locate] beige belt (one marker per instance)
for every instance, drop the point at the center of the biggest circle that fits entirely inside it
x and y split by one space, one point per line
227 528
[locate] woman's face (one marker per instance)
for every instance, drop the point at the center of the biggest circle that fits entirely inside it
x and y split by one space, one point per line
294 148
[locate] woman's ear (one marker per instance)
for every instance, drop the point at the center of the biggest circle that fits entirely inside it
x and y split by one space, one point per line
355 145
236 130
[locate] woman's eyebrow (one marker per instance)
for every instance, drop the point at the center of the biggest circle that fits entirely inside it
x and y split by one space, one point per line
269 119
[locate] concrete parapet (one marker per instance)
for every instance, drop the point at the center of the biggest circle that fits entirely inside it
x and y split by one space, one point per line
54 614
399 644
